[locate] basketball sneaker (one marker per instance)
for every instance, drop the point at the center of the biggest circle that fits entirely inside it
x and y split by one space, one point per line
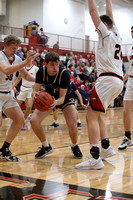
125 143
44 151
7 155
76 151
54 125
106 153
23 128
79 125
91 163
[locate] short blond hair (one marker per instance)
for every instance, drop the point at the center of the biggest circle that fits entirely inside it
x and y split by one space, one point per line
12 39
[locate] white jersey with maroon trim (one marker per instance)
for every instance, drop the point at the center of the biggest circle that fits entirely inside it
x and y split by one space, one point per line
6 80
31 70
130 59
109 54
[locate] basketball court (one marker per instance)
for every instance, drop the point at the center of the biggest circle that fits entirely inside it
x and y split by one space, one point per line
55 177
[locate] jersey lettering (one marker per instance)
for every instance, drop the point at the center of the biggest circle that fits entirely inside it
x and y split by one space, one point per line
118 52
9 77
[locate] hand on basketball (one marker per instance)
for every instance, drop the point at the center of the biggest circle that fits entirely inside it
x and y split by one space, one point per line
53 104
43 101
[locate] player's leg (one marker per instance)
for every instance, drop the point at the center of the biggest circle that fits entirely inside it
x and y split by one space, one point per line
0 119
106 150
94 162
20 99
16 115
55 116
79 125
72 126
35 121
128 105
28 104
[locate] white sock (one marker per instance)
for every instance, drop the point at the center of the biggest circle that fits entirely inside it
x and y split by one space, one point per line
56 121
78 121
94 145
45 143
73 145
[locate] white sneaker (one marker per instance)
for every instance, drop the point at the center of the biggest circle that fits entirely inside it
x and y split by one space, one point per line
125 143
106 153
91 163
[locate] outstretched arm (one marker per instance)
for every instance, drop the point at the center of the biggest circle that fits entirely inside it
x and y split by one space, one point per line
94 13
109 11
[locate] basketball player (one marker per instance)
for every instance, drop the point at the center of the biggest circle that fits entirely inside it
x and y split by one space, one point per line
56 80
26 91
55 112
128 101
107 87
9 64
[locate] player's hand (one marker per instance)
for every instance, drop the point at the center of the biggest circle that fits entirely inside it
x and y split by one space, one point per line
53 104
84 106
34 95
14 89
30 55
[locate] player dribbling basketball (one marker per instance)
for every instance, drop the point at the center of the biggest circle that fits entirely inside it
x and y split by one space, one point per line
56 80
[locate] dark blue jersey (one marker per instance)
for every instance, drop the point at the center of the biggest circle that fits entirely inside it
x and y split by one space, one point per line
54 83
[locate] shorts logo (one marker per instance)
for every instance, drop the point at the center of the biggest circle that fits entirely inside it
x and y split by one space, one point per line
94 99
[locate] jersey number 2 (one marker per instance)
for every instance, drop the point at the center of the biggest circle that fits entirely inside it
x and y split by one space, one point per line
118 52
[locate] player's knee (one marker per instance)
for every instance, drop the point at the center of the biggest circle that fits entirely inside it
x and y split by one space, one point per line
33 122
72 126
28 108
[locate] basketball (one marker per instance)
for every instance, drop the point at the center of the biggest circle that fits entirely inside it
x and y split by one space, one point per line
43 101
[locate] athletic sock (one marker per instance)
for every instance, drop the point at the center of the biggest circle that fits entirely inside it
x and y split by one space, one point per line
94 151
5 145
45 143
105 143
128 134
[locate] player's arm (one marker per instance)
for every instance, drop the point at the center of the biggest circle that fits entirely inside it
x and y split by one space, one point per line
10 69
94 13
125 76
109 11
36 88
27 76
61 98
16 81
80 99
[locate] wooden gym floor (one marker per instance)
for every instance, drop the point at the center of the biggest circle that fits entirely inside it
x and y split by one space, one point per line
55 177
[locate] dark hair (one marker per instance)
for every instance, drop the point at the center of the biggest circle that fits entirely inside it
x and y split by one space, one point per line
41 29
51 56
131 27
107 19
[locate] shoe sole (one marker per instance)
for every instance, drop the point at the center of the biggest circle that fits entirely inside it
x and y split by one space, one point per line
53 127
93 168
125 147
6 159
44 155
104 158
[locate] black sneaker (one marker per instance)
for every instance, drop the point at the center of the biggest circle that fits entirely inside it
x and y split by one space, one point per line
76 151
54 125
44 151
79 125
7 155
